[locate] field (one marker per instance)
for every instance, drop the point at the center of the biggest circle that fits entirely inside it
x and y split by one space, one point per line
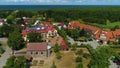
67 60
108 26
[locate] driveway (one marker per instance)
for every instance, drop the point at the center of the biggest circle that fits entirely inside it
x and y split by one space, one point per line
112 65
6 54
93 43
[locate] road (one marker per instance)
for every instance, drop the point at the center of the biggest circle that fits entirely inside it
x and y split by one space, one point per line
93 43
112 65
6 54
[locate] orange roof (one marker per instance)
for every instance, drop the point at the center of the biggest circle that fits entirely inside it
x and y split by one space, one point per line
97 31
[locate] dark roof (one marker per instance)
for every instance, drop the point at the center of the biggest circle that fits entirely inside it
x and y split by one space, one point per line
36 46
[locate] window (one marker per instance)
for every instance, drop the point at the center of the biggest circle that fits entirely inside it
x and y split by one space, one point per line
36 52
41 52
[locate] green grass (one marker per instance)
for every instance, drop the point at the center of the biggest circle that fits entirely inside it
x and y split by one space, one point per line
108 26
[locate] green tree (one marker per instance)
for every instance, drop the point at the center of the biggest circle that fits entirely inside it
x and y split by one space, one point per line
10 19
58 55
15 62
20 21
80 52
15 40
5 30
86 55
78 59
56 48
34 37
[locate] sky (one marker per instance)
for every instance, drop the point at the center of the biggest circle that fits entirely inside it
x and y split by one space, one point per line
59 2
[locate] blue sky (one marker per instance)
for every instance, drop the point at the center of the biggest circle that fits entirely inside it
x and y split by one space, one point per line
59 2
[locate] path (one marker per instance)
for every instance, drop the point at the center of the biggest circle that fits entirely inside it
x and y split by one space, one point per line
112 65
6 54
93 43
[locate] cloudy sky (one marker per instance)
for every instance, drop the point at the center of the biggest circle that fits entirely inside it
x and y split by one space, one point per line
59 2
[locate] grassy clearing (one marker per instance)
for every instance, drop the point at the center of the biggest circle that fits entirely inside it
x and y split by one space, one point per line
67 60
108 26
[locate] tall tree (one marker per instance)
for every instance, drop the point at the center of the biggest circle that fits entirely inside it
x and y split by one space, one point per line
34 37
15 40
5 30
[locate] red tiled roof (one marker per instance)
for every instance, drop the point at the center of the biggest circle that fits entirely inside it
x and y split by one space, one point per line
97 31
45 23
63 45
62 24
37 46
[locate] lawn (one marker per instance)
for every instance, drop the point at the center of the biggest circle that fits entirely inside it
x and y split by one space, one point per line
108 26
67 60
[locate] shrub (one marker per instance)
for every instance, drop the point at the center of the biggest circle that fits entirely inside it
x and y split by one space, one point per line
86 55
80 52
58 55
1 50
79 65
53 65
0 44
78 59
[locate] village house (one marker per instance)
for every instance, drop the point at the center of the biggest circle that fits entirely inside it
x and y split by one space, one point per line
97 33
45 31
1 22
38 50
62 44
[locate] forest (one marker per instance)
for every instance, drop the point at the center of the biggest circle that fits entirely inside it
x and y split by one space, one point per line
89 15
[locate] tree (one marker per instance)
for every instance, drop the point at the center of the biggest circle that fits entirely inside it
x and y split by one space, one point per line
86 55
115 27
56 48
15 40
78 59
15 62
10 19
1 50
53 65
80 52
20 21
5 30
34 37
58 55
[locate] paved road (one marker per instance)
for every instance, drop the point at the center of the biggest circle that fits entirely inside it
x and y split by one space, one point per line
93 43
112 65
6 54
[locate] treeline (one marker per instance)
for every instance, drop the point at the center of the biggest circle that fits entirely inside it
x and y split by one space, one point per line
92 15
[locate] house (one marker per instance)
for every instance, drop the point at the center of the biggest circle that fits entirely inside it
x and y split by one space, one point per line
62 25
62 44
38 50
45 31
1 22
95 32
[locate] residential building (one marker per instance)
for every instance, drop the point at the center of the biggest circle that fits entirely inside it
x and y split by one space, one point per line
38 50
1 22
45 31
95 32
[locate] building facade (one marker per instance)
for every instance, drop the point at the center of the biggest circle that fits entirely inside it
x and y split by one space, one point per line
38 50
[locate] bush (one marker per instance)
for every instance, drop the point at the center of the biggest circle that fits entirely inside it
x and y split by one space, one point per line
79 65
78 59
86 55
58 55
0 44
80 52
1 50
53 65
